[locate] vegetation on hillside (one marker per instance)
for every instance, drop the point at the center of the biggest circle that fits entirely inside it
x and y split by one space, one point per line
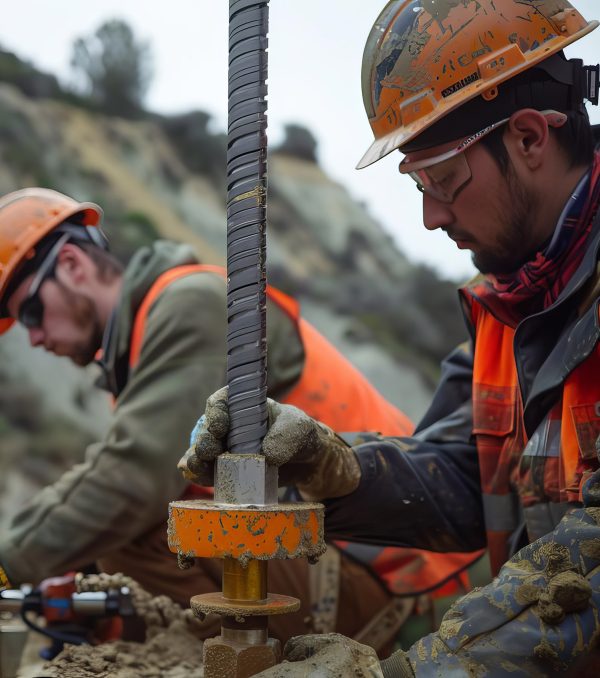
114 69
355 270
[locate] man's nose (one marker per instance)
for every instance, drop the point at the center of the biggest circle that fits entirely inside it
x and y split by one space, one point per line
36 336
436 214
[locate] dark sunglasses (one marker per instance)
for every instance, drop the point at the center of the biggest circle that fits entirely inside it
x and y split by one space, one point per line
31 310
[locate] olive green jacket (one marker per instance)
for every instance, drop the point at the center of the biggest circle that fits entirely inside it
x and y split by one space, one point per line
123 487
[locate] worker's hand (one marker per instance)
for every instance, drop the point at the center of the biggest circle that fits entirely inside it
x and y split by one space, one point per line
325 656
538 617
308 453
207 440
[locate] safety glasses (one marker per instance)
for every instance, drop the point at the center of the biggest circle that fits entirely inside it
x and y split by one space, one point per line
31 310
445 175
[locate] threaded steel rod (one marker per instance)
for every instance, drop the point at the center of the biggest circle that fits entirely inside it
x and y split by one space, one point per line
246 225
247 280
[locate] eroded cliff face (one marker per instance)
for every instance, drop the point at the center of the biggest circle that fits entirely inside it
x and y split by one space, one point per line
386 314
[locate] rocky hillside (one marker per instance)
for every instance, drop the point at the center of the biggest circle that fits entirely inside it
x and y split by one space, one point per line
164 177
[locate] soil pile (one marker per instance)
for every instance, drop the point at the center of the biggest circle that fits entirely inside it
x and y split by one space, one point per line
172 648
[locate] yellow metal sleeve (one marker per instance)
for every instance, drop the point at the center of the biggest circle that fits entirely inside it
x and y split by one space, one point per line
245 582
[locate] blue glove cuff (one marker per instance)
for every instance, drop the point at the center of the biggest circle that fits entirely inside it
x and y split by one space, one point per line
196 430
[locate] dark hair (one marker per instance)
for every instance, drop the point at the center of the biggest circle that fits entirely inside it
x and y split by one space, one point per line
107 265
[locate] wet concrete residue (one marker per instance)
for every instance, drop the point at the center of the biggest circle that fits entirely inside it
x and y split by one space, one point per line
528 593
557 558
566 593
217 407
571 591
226 480
292 431
233 660
590 548
453 620
549 612
594 512
185 561
330 655
172 538
524 566
421 650
440 10
450 628
202 606
548 656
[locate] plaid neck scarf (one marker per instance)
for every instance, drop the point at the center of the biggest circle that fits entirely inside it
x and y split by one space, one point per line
537 284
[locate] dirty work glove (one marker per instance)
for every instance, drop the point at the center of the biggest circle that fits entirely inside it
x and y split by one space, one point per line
309 454
538 617
325 656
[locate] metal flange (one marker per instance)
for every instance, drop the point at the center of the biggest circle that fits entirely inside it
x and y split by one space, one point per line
217 603
206 529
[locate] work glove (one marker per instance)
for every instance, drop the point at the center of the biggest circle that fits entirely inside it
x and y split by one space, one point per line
325 656
538 617
308 453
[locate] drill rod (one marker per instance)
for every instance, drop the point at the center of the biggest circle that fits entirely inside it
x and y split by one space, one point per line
246 291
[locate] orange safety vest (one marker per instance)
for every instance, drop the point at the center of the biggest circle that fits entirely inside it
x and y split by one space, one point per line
333 391
501 438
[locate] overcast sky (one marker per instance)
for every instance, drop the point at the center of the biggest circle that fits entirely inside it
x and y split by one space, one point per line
314 79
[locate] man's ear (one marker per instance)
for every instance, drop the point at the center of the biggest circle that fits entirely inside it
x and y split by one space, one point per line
528 138
72 266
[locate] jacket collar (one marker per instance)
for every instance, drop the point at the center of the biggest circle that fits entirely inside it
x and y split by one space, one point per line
143 269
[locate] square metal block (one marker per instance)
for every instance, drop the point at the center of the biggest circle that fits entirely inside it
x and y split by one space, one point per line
245 479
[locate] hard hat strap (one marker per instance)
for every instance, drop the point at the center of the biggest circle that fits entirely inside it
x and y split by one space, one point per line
93 234
554 83
592 81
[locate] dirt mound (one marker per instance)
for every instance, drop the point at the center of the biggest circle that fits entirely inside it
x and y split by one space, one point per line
172 648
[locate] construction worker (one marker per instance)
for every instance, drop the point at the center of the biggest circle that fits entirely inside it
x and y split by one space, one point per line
490 118
157 330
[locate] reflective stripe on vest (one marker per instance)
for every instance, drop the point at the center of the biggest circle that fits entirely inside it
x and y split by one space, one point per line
333 391
502 443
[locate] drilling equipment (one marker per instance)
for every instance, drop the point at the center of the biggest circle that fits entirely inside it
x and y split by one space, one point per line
69 617
245 525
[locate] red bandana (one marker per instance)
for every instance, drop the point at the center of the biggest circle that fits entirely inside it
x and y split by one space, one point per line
537 284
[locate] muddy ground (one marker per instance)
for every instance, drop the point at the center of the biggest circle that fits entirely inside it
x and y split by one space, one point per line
172 648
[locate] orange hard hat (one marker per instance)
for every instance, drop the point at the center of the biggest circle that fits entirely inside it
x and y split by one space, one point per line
426 58
26 217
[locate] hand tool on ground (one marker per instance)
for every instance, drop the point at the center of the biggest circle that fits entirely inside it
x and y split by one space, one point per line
69 617
245 525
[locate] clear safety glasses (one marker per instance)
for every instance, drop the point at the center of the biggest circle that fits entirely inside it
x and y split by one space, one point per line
445 175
